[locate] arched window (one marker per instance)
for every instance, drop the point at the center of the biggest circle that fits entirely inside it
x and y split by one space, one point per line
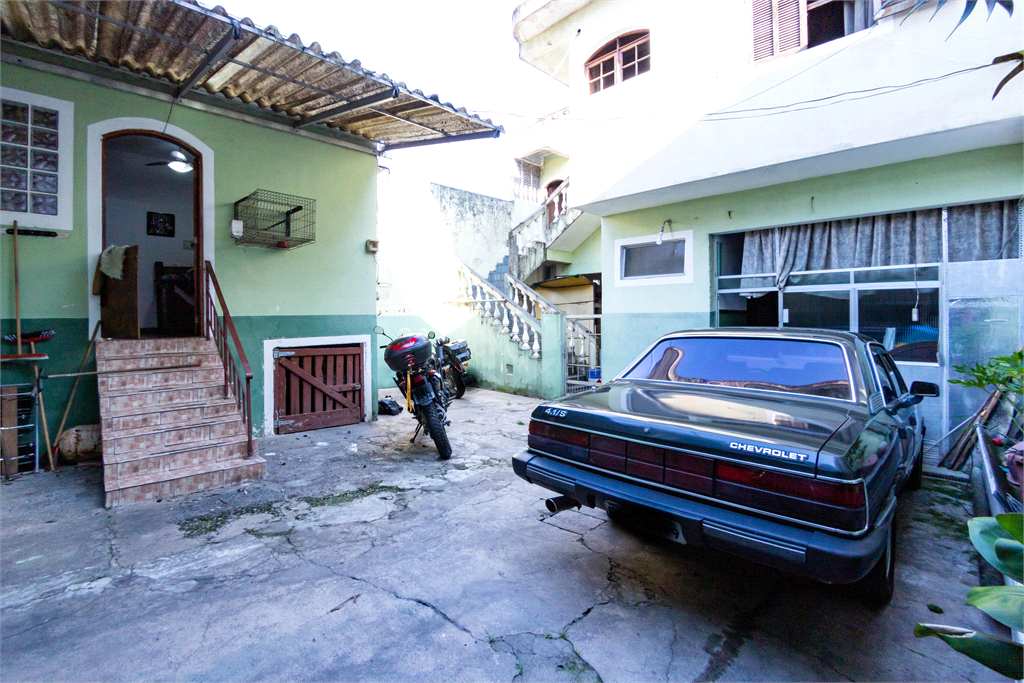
627 56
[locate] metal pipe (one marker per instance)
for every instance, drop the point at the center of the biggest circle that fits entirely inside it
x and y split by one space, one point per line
559 503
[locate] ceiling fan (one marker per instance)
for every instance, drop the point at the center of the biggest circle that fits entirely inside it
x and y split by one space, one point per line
180 163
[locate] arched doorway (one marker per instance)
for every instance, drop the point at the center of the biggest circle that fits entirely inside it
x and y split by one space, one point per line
555 208
152 205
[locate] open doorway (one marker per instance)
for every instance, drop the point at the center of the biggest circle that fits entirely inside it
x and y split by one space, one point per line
151 205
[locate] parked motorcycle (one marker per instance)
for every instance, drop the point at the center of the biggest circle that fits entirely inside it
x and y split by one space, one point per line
429 370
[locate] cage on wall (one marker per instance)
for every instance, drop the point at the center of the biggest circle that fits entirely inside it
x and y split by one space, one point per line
276 220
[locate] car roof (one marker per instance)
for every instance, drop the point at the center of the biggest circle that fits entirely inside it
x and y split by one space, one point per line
808 333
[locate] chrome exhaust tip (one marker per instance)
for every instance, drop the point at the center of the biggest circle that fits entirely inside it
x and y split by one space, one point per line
560 503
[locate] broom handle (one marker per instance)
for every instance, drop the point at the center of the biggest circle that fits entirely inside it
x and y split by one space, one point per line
74 387
17 293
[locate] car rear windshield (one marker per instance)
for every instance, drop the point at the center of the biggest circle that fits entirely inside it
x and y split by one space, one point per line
792 366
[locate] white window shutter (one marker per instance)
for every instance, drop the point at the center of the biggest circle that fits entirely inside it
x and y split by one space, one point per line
790 30
764 32
779 26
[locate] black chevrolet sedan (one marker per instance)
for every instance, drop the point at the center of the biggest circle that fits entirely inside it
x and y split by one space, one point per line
785 446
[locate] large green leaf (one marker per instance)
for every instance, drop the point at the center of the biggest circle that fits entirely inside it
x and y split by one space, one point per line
1002 656
1005 604
985 531
1013 522
1011 554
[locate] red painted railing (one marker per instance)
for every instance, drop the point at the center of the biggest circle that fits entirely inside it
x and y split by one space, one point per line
236 366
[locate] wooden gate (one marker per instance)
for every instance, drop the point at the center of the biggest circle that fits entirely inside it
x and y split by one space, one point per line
317 387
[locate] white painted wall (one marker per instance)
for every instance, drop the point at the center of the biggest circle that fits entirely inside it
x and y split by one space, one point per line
133 189
702 59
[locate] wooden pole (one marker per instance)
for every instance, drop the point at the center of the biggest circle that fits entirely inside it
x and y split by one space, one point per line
74 388
17 293
42 410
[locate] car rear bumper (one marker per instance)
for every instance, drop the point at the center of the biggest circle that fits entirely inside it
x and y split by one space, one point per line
807 552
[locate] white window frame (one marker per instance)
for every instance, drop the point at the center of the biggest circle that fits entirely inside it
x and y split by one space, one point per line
65 164
686 278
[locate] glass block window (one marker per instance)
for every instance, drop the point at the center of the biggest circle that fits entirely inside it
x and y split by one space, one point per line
35 160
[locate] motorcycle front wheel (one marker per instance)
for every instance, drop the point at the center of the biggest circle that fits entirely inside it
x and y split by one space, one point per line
435 426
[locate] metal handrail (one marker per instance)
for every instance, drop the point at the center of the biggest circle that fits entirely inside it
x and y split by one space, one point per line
218 332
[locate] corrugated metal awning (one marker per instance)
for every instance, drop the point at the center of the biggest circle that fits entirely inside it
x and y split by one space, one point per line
205 51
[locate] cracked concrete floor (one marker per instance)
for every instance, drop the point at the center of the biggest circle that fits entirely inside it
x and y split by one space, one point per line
362 557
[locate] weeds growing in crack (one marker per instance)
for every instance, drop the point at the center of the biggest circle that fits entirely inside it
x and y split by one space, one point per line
349 496
206 524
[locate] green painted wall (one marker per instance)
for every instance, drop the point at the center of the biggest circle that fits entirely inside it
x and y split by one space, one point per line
587 257
635 316
320 289
492 353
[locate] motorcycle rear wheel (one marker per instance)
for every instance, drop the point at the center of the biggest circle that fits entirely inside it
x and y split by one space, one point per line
458 383
435 426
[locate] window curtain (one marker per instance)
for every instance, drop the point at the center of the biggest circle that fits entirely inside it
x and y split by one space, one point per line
888 240
984 232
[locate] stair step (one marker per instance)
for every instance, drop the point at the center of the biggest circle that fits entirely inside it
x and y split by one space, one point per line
163 439
154 486
147 400
169 416
122 348
134 382
118 466
157 361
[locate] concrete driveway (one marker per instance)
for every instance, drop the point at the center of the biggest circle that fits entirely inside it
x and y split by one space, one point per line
362 557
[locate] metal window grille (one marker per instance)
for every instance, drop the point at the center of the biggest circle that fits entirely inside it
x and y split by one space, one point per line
276 220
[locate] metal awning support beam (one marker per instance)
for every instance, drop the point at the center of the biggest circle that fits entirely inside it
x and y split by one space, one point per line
211 59
448 138
390 94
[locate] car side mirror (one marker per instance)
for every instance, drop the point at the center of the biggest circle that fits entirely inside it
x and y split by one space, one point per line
924 389
431 335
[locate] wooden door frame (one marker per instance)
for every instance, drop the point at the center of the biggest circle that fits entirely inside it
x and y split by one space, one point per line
369 358
199 290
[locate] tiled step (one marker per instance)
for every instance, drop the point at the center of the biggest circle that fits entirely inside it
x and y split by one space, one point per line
206 359
150 418
120 348
121 467
155 486
163 439
133 382
143 401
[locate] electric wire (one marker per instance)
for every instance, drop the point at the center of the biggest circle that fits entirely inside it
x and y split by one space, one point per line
886 88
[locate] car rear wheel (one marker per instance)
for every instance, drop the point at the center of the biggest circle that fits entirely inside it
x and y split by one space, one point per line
878 586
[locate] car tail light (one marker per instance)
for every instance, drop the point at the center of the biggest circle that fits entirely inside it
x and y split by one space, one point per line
833 504
569 443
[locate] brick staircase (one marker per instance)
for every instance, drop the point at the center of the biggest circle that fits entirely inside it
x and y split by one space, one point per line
168 430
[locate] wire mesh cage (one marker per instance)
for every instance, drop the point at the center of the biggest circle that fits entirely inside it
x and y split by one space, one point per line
276 220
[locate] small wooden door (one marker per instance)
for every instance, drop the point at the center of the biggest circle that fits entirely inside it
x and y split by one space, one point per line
119 299
317 387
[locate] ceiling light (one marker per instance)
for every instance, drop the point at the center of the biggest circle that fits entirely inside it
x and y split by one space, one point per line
179 166
179 156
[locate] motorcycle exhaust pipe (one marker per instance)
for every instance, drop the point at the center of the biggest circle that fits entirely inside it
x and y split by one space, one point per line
555 505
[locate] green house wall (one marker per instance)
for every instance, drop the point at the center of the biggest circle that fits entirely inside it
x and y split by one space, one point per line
635 316
327 288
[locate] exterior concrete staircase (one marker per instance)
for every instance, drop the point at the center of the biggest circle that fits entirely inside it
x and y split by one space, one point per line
168 424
